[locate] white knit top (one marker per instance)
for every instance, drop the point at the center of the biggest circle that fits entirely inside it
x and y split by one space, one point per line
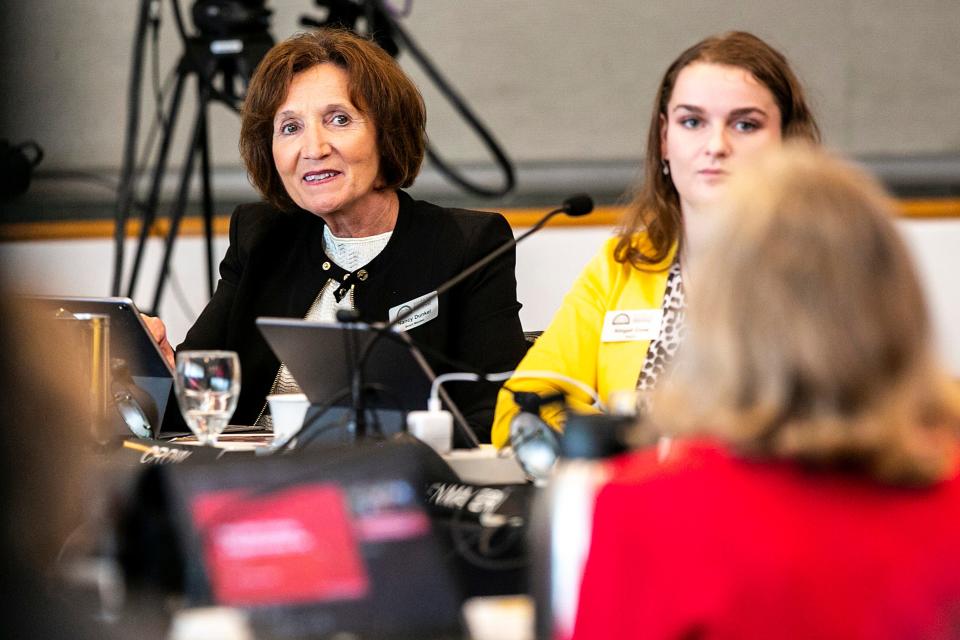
349 254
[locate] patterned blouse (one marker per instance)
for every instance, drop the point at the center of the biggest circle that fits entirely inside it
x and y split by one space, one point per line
664 347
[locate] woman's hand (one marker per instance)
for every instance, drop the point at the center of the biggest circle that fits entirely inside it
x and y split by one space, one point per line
159 332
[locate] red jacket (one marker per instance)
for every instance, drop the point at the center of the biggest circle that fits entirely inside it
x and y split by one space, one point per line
709 545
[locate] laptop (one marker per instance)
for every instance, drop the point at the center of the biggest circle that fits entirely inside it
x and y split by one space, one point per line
323 358
141 377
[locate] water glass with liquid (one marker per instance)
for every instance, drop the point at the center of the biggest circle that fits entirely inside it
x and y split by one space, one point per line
208 387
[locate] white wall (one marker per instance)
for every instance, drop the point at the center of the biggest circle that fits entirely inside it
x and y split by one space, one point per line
85 267
546 265
556 80
936 249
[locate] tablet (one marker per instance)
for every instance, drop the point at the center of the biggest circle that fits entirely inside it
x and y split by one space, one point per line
149 378
322 357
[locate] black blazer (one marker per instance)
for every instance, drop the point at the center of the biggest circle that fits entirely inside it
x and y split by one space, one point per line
273 268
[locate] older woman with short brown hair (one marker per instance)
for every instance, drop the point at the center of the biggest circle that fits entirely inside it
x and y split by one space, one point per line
376 85
332 130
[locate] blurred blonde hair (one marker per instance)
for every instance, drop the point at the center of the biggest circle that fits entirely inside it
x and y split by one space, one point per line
808 335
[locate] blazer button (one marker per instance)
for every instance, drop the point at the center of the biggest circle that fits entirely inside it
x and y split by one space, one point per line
362 274
326 266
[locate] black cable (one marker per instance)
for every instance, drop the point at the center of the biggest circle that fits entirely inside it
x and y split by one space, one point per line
155 127
381 25
408 343
312 428
460 105
319 429
383 391
462 546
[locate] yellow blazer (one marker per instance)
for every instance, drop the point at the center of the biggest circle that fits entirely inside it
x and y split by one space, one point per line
571 343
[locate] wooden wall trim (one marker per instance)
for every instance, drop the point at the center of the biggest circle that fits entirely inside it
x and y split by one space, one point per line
518 218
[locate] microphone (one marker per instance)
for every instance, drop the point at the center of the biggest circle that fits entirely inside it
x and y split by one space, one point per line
579 204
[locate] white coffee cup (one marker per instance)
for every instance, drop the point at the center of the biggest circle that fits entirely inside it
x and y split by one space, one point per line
288 411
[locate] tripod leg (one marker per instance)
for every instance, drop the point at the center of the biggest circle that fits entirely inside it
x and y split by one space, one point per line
205 182
125 191
150 213
176 214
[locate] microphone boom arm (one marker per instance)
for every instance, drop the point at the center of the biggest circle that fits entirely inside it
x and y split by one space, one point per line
577 205
472 269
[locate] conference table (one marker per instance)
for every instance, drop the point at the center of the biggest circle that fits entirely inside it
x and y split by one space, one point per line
492 601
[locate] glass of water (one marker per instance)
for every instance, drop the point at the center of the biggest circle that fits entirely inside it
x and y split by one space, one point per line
208 387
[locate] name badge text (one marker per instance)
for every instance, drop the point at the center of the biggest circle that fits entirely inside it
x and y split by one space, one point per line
418 317
631 326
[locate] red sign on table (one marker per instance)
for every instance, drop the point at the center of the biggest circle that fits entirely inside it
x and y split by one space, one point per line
289 547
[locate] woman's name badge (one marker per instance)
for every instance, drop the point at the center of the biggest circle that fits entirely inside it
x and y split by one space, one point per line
418 317
631 326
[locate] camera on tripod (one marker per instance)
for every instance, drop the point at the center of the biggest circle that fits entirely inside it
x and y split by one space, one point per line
232 37
219 19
